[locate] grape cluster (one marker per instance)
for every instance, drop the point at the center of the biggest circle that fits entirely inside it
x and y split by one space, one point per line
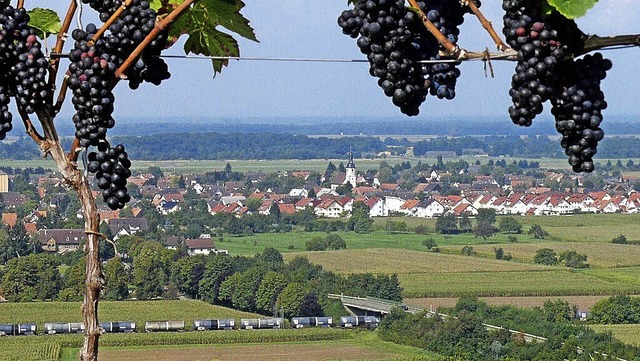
578 109
111 167
124 35
23 66
388 35
105 7
447 16
540 53
30 73
91 74
5 114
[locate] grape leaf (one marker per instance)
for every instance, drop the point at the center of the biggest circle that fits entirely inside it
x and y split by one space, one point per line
572 8
201 24
44 21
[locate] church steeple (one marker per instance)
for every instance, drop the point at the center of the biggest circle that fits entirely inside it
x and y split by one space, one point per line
350 176
351 164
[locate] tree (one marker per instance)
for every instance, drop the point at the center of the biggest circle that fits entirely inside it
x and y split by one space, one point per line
447 224
335 242
316 243
272 284
573 259
486 216
537 232
291 298
621 239
151 269
217 270
546 256
430 243
272 258
360 221
558 311
509 225
465 223
186 274
116 280
484 230
73 282
35 276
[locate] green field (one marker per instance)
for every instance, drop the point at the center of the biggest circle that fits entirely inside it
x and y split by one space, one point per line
385 261
626 333
599 255
513 283
137 311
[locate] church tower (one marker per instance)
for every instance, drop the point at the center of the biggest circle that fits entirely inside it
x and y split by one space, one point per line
350 171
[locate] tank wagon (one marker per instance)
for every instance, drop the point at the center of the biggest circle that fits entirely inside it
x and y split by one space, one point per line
359 321
59 327
221 324
120 326
301 322
157 326
261 323
17 329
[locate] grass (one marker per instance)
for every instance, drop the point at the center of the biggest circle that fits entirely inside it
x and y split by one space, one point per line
138 311
512 283
295 241
626 333
408 262
575 228
599 255
361 346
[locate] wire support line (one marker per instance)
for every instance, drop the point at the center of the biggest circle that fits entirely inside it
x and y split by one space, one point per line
274 59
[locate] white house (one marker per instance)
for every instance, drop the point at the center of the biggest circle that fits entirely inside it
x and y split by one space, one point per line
429 209
202 246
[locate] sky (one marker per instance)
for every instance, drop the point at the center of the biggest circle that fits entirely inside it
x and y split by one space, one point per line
308 29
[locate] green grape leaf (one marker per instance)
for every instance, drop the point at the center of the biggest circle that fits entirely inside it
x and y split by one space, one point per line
155 4
201 23
572 9
44 21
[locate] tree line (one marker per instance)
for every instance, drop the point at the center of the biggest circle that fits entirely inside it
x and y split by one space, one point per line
463 335
268 146
264 283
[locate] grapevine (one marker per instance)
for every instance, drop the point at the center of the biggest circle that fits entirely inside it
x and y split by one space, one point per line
545 43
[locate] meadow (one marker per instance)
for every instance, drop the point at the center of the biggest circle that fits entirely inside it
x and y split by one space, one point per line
626 333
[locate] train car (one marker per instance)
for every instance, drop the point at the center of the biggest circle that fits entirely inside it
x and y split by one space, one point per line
58 327
159 326
221 324
17 329
301 322
359 321
261 323
120 326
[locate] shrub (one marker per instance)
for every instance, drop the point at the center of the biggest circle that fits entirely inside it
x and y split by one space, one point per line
429 243
422 229
468 251
512 239
621 239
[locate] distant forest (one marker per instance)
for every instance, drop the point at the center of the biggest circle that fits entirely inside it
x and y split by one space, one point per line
268 145
456 127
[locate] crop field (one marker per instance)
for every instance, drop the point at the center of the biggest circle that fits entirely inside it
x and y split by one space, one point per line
385 261
10 347
599 255
295 241
582 302
626 333
364 346
513 283
138 311
576 228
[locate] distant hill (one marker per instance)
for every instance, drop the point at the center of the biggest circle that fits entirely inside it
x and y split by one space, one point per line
457 127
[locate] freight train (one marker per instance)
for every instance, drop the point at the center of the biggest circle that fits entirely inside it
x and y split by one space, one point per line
198 325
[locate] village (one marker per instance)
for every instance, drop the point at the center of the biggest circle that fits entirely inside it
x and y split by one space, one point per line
330 198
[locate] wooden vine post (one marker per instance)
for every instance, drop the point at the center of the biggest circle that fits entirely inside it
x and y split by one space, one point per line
48 140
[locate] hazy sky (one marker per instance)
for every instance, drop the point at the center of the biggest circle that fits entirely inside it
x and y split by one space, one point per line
308 29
